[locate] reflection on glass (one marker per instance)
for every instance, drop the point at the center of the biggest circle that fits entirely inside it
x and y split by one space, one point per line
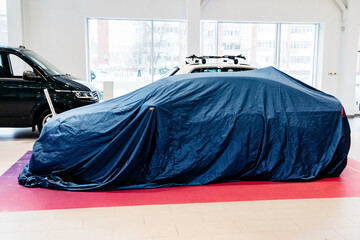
133 53
48 67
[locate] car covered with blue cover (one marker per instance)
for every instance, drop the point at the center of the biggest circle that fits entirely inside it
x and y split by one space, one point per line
195 129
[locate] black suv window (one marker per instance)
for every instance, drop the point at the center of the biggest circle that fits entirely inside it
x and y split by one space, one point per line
18 66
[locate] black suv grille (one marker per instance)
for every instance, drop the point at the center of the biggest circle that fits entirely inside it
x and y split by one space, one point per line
96 95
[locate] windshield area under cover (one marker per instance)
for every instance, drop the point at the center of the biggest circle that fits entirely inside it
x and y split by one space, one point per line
43 63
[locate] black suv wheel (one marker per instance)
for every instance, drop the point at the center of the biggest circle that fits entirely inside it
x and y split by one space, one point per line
44 117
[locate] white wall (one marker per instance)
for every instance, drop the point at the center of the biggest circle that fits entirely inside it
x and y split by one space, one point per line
193 17
56 28
14 22
348 61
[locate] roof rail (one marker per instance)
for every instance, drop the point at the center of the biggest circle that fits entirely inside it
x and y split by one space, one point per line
203 58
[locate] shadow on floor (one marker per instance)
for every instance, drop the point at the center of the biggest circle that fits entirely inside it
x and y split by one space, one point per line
18 133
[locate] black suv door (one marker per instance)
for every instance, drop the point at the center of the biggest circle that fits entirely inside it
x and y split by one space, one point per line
18 97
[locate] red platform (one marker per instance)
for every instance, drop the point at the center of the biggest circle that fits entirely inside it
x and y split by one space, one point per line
14 197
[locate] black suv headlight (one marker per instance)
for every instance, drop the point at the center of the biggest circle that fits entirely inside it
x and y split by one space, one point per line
86 94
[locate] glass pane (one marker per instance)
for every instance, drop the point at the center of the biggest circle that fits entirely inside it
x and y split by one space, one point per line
3 23
208 38
121 51
297 49
169 47
48 67
255 41
18 66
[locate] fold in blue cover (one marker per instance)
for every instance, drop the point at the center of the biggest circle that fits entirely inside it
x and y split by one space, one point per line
195 129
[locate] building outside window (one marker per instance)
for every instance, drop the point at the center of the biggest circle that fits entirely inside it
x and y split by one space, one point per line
298 51
290 47
255 41
133 53
3 24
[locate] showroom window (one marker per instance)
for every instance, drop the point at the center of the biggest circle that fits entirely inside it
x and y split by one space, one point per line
133 53
290 47
3 23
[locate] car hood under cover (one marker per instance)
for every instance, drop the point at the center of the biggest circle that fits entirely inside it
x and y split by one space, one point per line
195 129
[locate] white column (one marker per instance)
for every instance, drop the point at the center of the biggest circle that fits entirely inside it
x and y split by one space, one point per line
108 90
193 14
15 23
349 48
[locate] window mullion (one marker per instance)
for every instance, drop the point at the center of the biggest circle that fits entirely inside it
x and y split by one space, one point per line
217 38
315 54
152 52
277 45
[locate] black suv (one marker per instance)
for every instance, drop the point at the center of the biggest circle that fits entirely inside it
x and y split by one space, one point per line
23 77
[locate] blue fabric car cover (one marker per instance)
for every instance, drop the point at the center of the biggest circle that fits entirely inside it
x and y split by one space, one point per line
195 129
